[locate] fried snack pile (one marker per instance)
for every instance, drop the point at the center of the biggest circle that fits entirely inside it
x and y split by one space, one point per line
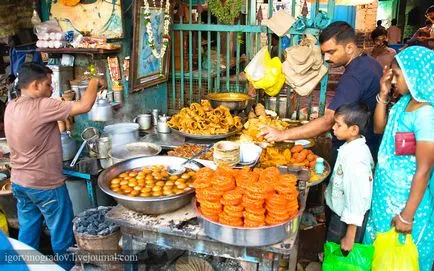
190 150
240 197
202 119
252 127
297 155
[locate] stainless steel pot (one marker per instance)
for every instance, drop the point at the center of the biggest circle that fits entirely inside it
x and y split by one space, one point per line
152 205
122 133
101 110
69 147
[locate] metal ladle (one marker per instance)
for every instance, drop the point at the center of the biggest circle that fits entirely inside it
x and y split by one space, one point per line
88 134
179 169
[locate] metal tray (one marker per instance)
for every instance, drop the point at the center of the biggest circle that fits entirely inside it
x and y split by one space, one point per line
249 237
206 137
151 205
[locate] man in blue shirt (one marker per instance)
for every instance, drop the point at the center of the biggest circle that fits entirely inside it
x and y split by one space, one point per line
360 83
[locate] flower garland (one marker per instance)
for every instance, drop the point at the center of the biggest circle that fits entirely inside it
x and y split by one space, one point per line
226 12
148 24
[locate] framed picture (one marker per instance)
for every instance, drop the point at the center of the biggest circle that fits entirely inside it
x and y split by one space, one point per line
95 18
147 69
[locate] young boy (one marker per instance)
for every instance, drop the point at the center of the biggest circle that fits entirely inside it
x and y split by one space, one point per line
348 195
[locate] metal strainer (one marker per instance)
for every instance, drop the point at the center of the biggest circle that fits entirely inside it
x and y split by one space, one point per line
89 134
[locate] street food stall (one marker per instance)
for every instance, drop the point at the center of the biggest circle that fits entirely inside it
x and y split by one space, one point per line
240 197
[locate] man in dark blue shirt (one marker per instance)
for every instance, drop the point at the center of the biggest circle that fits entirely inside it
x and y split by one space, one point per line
360 83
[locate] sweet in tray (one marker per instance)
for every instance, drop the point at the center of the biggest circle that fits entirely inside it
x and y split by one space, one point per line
246 198
202 119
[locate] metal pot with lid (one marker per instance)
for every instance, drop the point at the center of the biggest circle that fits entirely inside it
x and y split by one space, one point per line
101 110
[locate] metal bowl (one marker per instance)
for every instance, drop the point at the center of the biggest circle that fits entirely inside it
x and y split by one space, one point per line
151 205
249 237
233 101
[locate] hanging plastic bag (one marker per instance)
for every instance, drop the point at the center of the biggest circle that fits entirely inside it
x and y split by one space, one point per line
275 89
4 223
273 68
255 70
359 258
390 254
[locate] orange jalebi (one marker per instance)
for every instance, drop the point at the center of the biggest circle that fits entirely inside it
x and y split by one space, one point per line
210 212
253 224
246 198
248 202
233 208
253 217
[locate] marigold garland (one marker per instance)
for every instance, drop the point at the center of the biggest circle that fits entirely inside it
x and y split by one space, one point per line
70 3
166 25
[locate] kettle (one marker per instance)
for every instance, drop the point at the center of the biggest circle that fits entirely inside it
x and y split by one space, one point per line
69 146
162 126
101 110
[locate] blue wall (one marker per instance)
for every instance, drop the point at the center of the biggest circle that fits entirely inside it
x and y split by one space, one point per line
342 13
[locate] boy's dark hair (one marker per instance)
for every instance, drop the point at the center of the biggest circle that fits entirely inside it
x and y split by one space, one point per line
429 9
355 114
378 32
394 21
379 22
30 72
341 31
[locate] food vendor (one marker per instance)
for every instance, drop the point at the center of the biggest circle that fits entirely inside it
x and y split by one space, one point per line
359 83
33 136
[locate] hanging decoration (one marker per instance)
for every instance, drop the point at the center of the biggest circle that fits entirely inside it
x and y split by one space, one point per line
226 12
199 7
165 36
304 10
259 16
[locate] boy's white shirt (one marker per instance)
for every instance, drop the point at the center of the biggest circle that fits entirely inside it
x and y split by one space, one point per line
349 192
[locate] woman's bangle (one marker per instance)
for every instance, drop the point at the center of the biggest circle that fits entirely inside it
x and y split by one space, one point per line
380 101
404 221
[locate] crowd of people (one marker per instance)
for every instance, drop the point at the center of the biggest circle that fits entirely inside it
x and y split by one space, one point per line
362 199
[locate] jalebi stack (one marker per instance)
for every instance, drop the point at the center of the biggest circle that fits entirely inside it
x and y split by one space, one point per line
242 197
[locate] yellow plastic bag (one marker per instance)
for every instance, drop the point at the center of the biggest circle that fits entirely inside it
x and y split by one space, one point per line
265 73
4 223
390 254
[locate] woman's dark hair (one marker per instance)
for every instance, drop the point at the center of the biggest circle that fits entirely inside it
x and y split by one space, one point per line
30 72
394 21
378 32
355 114
341 31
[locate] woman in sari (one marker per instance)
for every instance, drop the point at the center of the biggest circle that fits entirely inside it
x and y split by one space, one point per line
403 194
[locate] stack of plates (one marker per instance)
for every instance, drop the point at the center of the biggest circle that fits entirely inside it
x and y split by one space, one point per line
192 264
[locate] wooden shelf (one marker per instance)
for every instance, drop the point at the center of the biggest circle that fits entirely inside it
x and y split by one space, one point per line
87 51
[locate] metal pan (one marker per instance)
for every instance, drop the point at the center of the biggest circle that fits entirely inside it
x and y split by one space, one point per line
151 205
249 237
206 137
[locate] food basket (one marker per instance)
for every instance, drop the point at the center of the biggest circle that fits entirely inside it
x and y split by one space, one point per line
250 237
151 205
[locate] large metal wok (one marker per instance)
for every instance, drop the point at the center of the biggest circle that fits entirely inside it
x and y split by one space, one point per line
151 205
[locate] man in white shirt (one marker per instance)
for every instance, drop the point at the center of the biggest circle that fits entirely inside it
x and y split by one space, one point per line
394 33
349 193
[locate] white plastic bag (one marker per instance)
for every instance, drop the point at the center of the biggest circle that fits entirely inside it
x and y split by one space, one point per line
255 70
